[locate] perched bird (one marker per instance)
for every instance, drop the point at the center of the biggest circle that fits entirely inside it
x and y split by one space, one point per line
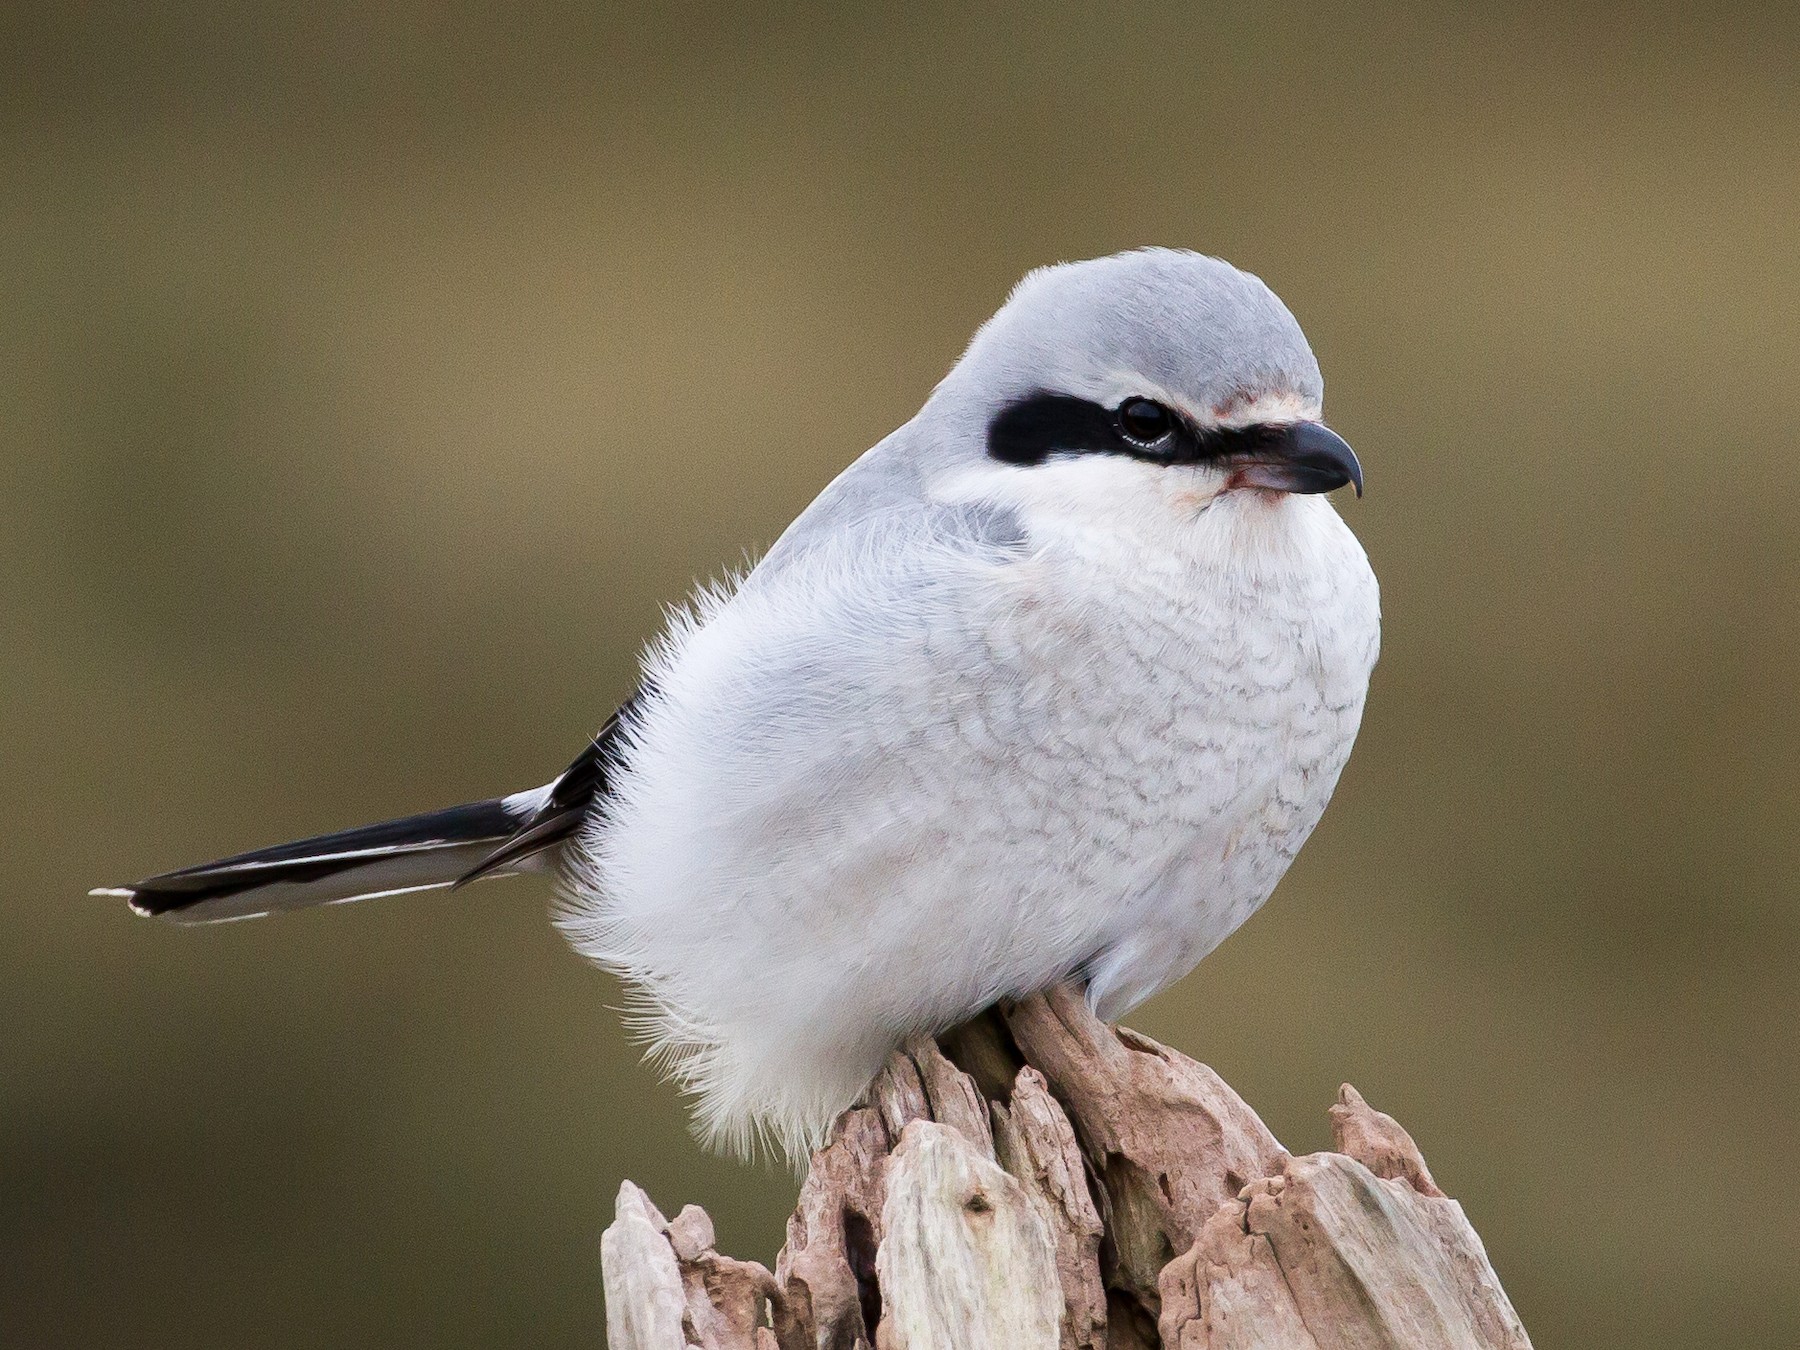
1050 684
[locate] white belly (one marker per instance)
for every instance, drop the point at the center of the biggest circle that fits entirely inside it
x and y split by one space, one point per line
859 810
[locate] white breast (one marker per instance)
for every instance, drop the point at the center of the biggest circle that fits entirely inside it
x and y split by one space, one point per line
908 778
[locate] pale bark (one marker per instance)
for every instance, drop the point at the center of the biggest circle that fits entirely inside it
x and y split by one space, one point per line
1065 1185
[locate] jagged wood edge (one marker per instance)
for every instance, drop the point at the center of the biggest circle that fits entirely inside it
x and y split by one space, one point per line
1167 1211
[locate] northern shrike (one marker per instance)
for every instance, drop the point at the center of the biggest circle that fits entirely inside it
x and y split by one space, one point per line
1050 684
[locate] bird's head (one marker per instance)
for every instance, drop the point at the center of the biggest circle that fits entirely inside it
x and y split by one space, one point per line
1156 378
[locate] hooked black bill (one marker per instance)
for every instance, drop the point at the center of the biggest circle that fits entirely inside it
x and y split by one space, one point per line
1299 457
1296 457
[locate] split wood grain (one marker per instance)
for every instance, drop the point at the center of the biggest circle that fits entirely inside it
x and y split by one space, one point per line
1038 1180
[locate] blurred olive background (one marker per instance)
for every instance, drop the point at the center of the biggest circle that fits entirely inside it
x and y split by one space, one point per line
372 376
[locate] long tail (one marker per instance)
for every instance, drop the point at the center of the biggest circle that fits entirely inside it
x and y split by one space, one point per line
416 853
525 832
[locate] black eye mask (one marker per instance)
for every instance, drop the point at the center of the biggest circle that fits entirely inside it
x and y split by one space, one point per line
1300 457
1042 425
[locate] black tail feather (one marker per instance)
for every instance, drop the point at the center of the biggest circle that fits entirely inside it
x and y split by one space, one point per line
569 802
412 853
440 848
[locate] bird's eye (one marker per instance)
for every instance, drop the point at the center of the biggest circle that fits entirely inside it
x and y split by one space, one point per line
1145 420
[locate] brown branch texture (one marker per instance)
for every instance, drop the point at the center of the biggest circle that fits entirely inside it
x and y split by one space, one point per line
1038 1180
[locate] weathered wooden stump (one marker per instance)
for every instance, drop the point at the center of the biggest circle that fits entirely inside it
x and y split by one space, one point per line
1039 1179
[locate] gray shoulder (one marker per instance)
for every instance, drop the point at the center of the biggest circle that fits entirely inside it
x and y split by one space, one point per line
886 491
